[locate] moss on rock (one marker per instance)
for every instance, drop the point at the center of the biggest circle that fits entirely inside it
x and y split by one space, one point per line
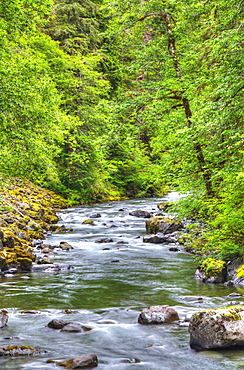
26 211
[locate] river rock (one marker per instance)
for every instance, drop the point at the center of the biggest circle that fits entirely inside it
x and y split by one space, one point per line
50 267
3 318
87 361
88 222
20 351
162 225
158 315
212 271
65 246
158 239
104 240
174 249
75 328
95 215
140 213
57 324
217 328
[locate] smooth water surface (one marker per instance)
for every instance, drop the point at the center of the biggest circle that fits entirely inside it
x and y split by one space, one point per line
107 289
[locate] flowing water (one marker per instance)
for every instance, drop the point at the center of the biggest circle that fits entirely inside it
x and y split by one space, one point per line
107 289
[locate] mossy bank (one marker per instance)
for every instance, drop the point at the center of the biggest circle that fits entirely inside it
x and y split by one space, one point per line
27 211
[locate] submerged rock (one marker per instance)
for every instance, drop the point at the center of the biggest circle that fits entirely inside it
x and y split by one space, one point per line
158 315
75 328
20 351
104 240
50 267
140 213
159 238
217 329
87 361
95 215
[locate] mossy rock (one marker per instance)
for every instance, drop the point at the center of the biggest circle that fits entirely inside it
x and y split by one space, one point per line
212 271
212 267
162 224
88 222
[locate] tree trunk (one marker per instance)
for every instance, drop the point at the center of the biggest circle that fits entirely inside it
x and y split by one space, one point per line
197 146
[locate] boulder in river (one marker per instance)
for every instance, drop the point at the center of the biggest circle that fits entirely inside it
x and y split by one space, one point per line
75 328
158 315
87 361
140 213
57 324
217 328
159 238
104 240
3 318
68 326
88 222
20 351
65 246
95 215
162 225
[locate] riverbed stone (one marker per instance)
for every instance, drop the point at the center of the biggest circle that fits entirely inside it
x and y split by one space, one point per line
50 267
162 225
88 222
16 350
158 238
217 328
95 215
57 324
140 213
104 240
158 315
87 361
3 318
75 328
65 246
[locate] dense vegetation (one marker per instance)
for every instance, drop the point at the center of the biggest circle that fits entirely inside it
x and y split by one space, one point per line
103 99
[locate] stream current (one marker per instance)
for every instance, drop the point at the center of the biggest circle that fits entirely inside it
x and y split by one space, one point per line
107 289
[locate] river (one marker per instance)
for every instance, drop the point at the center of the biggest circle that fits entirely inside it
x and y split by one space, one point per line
107 289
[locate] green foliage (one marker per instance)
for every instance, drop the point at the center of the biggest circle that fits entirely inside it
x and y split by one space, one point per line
212 267
104 99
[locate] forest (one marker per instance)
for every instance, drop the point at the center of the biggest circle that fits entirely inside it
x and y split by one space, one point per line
103 100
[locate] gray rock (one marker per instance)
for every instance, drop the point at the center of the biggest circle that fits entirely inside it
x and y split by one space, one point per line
75 328
217 328
140 213
50 267
81 362
158 315
95 215
57 324
159 238
104 240
217 279
3 318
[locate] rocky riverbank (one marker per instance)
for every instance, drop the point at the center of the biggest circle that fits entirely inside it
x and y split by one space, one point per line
27 213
